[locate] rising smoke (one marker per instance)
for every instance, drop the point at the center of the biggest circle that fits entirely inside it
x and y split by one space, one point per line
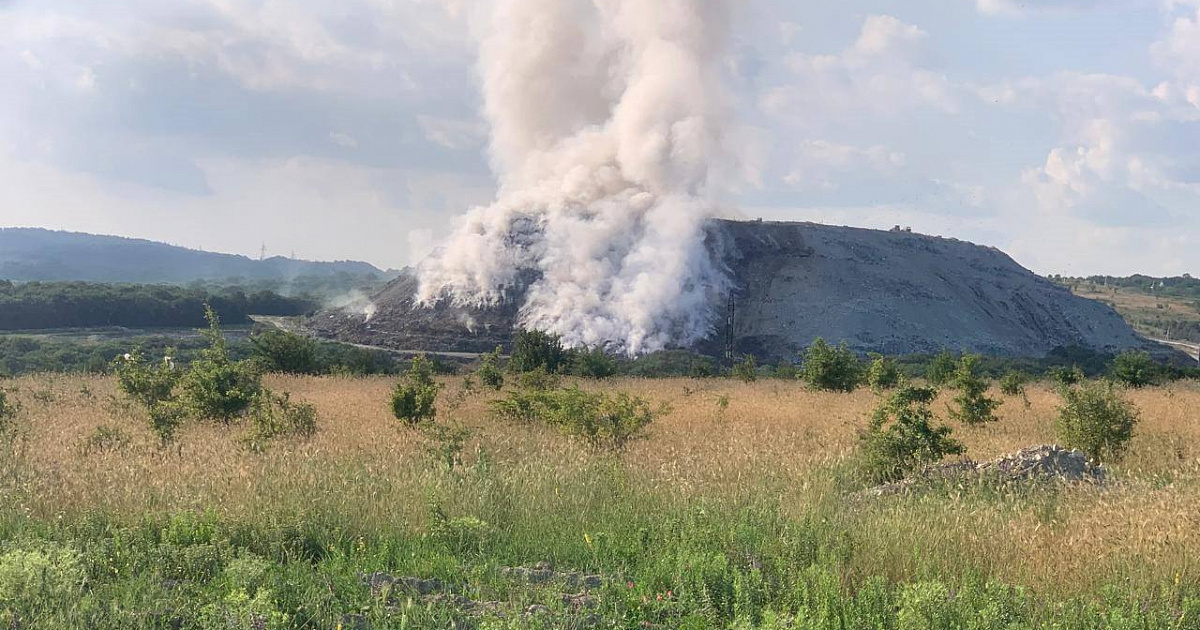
608 122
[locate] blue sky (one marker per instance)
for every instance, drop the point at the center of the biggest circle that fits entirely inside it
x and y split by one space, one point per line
1065 132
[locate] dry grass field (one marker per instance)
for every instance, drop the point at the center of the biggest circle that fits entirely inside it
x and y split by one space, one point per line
721 439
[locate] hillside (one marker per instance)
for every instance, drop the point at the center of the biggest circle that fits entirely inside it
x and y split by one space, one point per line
891 292
30 254
1162 308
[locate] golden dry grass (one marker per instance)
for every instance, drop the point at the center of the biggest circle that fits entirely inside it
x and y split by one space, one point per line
772 437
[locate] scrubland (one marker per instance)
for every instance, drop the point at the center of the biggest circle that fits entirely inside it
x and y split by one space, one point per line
738 510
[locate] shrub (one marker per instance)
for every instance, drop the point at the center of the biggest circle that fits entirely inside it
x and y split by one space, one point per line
883 373
445 443
702 367
273 416
1066 376
941 368
104 439
747 370
148 384
8 413
533 349
901 436
1096 419
972 405
594 363
1013 383
1134 368
165 418
215 387
45 574
287 352
604 421
786 371
831 369
413 399
537 379
489 371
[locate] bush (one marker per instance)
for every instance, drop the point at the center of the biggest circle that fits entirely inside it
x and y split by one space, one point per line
274 416
941 368
489 371
444 443
594 363
1097 419
148 384
786 371
533 349
831 369
165 418
883 373
747 370
413 399
901 436
972 405
215 387
8 413
44 574
1066 376
1134 368
1013 383
605 422
283 351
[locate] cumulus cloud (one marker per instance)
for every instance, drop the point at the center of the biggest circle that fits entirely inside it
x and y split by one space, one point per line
878 74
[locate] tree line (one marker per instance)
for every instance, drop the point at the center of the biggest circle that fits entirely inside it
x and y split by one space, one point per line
42 305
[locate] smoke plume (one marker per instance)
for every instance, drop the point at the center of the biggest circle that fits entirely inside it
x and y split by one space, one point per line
608 122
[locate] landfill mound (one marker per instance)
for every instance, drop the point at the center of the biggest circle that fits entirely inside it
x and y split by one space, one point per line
893 292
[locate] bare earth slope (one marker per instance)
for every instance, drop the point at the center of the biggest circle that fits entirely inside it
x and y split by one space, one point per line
891 292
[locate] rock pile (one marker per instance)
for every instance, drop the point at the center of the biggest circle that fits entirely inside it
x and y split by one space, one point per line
1034 463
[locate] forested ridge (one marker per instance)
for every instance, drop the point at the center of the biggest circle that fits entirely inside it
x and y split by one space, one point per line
42 305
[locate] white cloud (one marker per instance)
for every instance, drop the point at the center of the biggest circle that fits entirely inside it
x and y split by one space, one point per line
820 162
343 140
877 74
453 134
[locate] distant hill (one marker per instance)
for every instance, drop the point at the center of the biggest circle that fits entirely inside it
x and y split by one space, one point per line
30 254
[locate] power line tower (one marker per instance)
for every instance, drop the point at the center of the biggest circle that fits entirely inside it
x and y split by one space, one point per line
262 252
730 338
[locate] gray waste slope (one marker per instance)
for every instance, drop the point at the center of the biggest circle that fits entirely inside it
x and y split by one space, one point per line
890 292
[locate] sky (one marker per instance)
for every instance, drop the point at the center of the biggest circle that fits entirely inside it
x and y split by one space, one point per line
1064 132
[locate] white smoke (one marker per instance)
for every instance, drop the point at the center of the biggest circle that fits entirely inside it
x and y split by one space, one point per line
607 118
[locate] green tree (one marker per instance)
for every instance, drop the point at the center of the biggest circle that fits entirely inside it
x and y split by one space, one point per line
831 368
1013 383
413 399
1097 419
972 405
533 349
1134 368
287 352
216 387
746 370
902 437
147 383
489 371
941 368
594 363
1066 376
883 373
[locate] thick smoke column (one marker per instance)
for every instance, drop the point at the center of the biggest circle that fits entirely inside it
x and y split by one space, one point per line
606 117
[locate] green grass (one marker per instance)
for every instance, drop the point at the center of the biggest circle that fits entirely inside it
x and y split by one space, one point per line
736 561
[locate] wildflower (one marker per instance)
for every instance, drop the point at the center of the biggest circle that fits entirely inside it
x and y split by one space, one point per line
587 538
